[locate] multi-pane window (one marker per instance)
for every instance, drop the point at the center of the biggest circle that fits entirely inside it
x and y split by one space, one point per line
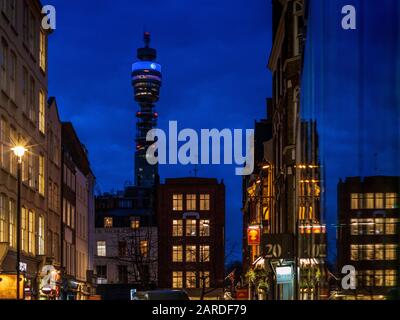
13 159
191 253
356 201
24 229
379 201
41 175
391 199
101 272
101 248
204 253
144 248
4 65
369 201
377 278
42 51
190 279
32 101
25 90
122 248
12 223
191 228
374 226
190 202
3 220
3 125
391 252
135 223
204 202
177 253
42 104
122 274
41 235
177 228
177 279
177 202
390 278
32 33
108 222
31 180
204 228
205 279
13 75
31 232
359 252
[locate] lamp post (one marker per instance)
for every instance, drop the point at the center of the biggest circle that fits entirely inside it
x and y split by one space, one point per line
19 152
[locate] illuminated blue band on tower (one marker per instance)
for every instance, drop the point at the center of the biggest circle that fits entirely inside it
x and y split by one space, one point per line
146 65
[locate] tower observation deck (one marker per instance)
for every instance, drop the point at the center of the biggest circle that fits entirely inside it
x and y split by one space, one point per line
146 82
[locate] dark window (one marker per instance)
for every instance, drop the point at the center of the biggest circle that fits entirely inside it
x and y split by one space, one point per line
122 248
123 274
101 272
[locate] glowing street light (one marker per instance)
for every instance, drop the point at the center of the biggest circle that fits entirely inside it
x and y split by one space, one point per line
19 151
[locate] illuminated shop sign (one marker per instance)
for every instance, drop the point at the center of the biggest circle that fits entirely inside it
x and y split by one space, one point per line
253 235
146 65
8 285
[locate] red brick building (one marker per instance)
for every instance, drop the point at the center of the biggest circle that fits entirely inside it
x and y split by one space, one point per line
191 223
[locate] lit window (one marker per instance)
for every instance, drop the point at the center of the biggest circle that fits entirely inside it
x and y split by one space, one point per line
177 228
369 201
190 279
379 201
391 226
108 222
177 253
204 253
391 252
190 202
41 175
191 228
42 103
2 218
24 229
205 279
41 236
135 223
42 51
144 248
204 228
356 201
390 200
191 253
177 202
101 248
31 232
177 279
12 223
204 202
390 278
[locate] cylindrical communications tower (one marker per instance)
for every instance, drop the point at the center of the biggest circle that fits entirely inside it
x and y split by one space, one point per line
146 82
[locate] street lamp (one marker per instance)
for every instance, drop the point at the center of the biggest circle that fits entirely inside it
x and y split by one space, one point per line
19 152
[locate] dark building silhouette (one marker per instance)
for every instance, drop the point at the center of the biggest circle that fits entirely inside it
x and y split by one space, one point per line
146 82
191 226
369 235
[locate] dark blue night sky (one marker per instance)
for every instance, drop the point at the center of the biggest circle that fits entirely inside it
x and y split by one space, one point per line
214 56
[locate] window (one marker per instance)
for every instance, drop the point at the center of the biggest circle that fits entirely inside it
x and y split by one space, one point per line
42 103
191 252
41 236
31 232
13 158
204 228
135 223
390 200
108 222
205 279
356 201
190 279
4 65
42 51
204 202
101 248
123 274
204 253
12 223
24 229
101 272
122 248
190 202
41 175
391 226
177 253
379 201
31 181
13 75
391 252
144 248
32 33
25 90
3 125
177 202
177 279
32 103
372 252
390 278
376 226
191 228
177 228
369 201
3 220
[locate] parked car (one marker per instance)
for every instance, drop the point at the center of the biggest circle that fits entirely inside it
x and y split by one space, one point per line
161 295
